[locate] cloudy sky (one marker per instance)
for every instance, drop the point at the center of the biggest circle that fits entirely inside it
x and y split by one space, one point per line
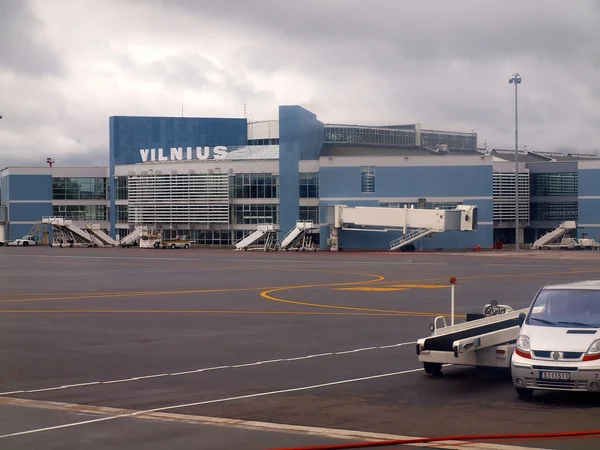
67 65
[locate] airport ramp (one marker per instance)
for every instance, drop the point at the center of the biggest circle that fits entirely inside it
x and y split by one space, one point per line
409 238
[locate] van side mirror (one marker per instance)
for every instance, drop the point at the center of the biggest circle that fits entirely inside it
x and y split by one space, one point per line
522 318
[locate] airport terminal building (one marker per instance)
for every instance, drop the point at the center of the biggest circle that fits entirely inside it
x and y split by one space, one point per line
216 179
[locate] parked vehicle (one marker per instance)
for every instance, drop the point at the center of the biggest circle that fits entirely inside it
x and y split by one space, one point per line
558 347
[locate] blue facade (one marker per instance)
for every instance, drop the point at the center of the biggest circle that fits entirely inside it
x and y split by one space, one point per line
424 181
589 208
300 138
470 185
29 187
130 134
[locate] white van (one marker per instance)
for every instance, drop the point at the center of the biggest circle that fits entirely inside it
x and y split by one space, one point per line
558 347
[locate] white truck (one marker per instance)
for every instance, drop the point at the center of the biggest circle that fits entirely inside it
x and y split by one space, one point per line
24 241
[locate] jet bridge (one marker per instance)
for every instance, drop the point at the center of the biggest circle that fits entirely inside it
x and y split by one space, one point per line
414 223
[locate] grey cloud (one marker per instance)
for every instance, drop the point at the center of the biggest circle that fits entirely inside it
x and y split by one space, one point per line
23 48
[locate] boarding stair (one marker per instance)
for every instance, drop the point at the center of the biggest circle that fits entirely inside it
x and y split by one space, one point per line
100 236
554 235
264 230
297 237
409 238
133 237
65 234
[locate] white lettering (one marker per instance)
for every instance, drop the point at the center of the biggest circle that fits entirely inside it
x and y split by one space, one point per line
220 152
202 153
176 154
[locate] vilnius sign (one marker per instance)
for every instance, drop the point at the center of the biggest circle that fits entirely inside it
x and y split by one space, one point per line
180 154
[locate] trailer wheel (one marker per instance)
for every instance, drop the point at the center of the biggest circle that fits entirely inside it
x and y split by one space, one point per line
524 394
434 369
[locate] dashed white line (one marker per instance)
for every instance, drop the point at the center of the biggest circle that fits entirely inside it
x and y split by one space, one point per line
205 369
209 402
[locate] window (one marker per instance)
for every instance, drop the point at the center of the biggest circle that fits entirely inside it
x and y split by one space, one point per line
309 185
79 188
309 213
367 179
554 184
254 185
254 214
121 188
81 212
122 213
554 211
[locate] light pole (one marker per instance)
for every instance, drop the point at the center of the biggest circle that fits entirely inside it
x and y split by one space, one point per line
516 80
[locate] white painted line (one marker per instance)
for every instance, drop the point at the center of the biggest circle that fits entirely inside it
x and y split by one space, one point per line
210 402
195 371
351 435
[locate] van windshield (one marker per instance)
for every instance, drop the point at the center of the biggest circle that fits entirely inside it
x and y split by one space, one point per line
567 308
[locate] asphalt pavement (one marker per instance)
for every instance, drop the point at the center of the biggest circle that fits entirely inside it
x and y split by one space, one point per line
322 340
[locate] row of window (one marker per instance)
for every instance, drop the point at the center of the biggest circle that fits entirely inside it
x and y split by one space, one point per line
79 188
555 184
239 214
554 211
81 212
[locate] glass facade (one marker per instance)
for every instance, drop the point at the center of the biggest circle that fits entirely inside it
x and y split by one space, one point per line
554 211
122 213
81 212
309 185
367 179
79 188
559 184
426 205
254 214
254 185
121 188
454 141
309 213
369 136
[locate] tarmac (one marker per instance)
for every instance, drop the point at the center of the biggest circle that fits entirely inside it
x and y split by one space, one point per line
217 349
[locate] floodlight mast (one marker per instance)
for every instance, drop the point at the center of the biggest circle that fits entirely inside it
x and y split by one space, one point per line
516 80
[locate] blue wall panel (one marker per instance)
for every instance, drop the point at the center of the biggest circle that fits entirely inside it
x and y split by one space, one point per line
420 181
30 187
589 211
366 240
300 138
129 134
589 182
28 212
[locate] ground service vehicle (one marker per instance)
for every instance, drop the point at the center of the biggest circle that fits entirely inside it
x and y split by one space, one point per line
558 347
24 241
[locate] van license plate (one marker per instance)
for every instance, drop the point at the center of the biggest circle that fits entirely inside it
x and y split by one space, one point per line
555 376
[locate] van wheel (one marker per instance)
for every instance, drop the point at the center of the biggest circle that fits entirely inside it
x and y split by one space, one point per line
524 394
187 245
434 369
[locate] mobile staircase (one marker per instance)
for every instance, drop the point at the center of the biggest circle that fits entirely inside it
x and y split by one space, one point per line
405 240
65 234
133 237
299 238
100 236
485 340
266 231
554 235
